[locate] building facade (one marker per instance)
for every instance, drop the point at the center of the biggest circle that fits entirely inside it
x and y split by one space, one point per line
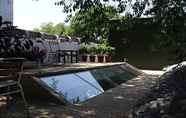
6 10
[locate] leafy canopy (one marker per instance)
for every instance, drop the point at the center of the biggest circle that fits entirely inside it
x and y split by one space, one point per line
94 23
132 7
58 29
170 15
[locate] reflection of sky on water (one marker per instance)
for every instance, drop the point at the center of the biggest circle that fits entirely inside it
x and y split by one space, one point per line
78 87
87 76
75 87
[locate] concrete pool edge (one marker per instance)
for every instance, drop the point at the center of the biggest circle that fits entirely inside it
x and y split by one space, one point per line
72 68
32 83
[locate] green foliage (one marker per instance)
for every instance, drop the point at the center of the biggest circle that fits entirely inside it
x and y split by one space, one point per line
91 23
104 48
69 31
83 49
85 5
58 29
170 15
96 49
46 27
91 26
92 49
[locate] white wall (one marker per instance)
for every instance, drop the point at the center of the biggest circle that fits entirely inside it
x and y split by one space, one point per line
6 10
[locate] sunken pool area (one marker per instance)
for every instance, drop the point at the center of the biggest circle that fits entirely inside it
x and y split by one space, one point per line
83 90
78 87
76 83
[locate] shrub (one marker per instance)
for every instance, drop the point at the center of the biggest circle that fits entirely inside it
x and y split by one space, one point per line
83 49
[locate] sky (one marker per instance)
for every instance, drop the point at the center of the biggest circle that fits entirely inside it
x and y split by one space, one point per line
29 14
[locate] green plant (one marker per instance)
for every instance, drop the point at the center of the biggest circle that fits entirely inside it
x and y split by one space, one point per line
83 49
104 49
92 49
109 50
98 50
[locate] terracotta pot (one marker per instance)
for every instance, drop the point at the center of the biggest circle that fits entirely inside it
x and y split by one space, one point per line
92 58
100 58
84 58
108 58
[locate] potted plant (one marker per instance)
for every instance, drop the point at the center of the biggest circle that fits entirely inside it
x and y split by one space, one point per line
92 51
100 52
108 53
83 51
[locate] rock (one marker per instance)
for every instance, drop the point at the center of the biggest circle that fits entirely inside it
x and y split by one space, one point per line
167 99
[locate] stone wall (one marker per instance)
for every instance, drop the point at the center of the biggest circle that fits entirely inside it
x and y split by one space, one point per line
167 99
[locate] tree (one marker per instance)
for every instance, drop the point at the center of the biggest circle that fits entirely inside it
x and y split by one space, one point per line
50 28
59 29
169 14
91 26
46 27
69 31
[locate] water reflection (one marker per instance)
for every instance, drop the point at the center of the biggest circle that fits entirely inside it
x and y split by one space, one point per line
78 87
88 78
75 88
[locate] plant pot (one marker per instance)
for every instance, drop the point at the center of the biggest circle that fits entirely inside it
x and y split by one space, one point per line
108 58
100 58
84 58
92 58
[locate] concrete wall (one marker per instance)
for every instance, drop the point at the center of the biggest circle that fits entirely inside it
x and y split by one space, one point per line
6 10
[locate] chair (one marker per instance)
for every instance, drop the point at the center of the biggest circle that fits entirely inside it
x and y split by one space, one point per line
10 78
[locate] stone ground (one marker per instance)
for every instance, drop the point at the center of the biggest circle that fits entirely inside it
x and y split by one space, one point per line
154 72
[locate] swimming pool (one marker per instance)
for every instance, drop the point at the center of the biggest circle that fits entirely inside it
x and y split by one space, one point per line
78 87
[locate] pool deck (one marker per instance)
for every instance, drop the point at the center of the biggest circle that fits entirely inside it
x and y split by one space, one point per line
154 72
68 68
